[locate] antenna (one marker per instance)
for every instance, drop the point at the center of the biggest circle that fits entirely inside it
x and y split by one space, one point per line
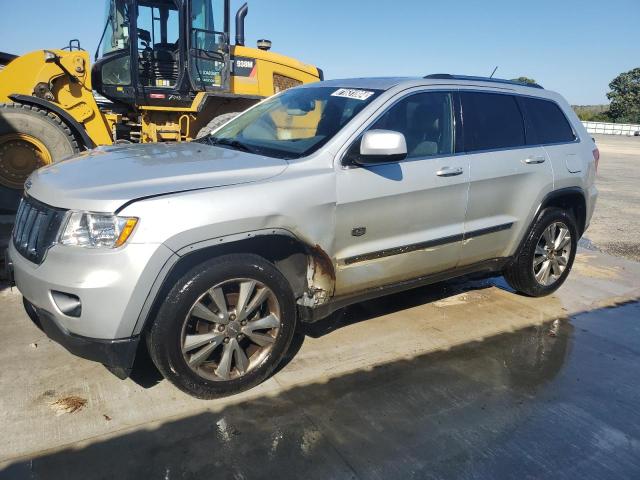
494 72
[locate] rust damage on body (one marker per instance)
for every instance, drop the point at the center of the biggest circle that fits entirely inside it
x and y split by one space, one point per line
321 278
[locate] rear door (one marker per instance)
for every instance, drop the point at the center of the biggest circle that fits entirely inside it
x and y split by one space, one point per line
507 176
547 125
403 220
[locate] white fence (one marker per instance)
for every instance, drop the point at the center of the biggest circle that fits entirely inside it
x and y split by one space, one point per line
612 128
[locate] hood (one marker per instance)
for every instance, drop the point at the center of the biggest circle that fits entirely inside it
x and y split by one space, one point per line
106 178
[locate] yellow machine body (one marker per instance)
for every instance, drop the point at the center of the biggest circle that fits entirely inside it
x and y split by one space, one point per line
59 82
31 75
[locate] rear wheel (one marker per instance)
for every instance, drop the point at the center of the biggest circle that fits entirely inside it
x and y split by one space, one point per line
547 255
30 138
216 123
224 327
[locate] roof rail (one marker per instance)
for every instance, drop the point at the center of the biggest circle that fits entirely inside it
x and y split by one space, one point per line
448 76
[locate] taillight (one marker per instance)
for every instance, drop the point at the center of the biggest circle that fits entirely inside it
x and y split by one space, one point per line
596 157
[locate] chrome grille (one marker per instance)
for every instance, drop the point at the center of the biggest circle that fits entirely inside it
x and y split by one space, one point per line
36 228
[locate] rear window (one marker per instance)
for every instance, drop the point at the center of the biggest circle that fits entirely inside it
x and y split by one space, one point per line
546 123
491 121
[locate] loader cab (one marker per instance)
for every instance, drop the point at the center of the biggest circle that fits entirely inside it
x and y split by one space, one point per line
163 52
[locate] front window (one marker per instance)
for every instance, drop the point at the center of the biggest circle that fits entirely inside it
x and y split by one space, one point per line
295 123
426 121
116 34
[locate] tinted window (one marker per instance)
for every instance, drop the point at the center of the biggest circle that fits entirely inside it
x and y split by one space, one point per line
491 121
425 119
545 122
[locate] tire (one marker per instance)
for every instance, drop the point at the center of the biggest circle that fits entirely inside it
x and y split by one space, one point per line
216 123
175 338
521 273
40 131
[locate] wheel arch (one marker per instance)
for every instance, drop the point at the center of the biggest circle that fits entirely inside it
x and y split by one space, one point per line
308 268
76 128
571 198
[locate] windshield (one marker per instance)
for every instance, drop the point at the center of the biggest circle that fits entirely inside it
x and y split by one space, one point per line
295 123
116 34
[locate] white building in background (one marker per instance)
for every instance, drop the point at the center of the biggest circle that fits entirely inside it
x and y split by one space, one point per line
605 128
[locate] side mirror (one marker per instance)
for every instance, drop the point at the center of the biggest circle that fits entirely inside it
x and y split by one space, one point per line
380 146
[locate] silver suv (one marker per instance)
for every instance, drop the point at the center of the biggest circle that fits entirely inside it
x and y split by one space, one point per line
210 253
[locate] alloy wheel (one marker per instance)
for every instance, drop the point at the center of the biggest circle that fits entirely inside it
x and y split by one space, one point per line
230 329
552 254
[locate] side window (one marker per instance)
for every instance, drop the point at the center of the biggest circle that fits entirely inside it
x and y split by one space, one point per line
425 119
491 121
546 123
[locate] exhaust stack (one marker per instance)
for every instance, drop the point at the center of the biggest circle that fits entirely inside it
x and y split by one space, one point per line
240 16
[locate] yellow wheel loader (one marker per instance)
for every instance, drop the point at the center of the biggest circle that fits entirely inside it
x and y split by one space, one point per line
167 72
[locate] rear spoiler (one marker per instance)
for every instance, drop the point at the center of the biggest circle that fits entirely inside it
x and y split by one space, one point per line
6 58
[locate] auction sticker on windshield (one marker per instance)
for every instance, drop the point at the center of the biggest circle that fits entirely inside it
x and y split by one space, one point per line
352 93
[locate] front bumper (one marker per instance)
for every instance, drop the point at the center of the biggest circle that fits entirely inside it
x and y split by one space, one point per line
117 355
111 286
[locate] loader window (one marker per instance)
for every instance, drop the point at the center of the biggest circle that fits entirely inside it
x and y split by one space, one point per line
208 44
158 31
116 33
207 15
296 122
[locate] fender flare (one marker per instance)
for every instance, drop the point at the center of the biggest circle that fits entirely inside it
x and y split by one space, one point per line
542 205
73 124
319 266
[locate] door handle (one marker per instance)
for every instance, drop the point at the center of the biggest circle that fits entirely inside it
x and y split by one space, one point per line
534 160
449 171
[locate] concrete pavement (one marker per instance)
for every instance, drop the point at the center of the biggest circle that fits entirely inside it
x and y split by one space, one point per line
615 227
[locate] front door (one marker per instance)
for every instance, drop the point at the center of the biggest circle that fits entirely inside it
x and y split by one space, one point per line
403 220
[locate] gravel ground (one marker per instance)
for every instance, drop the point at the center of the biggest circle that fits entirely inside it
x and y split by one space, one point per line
615 227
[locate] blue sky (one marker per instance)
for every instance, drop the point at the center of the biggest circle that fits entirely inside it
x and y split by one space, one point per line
574 47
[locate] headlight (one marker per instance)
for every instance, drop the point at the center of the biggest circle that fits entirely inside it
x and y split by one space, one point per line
96 230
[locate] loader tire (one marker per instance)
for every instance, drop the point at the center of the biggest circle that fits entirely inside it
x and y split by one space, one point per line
216 123
30 138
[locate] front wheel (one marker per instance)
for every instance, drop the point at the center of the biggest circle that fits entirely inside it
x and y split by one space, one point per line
547 255
224 327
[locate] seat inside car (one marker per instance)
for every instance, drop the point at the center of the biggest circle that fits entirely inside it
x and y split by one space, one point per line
423 132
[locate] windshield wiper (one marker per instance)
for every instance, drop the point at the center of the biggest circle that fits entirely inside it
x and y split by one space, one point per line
229 142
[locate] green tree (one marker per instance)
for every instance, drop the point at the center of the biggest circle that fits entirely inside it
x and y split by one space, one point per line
592 113
524 80
625 97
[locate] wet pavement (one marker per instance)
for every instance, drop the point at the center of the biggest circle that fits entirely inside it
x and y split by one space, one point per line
558 400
